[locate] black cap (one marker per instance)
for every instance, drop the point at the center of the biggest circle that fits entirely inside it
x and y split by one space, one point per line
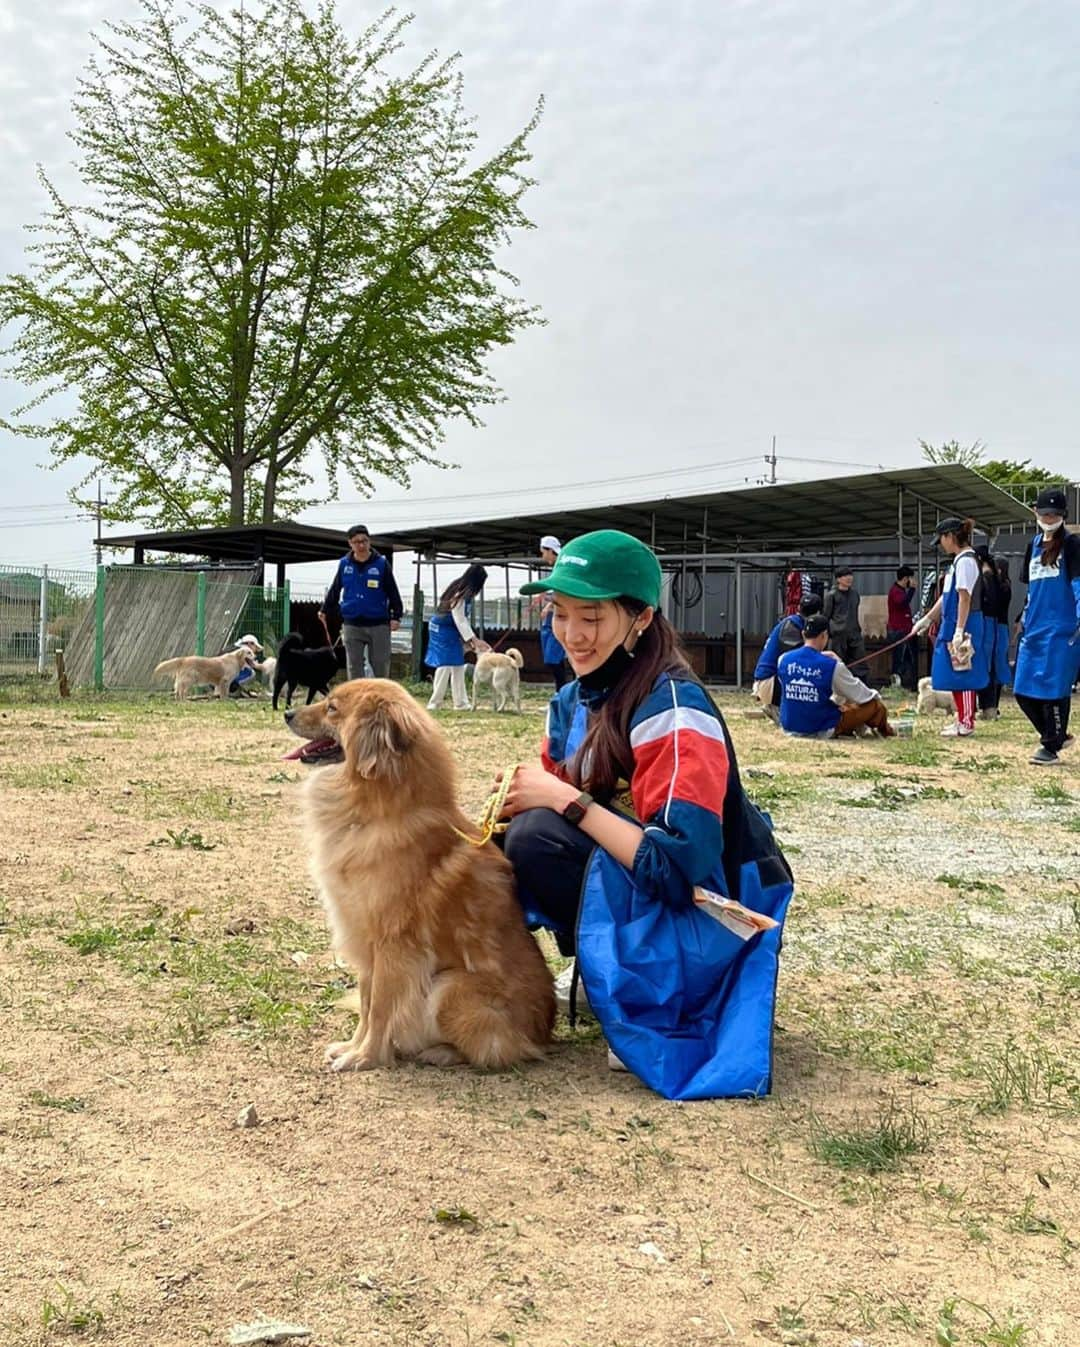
814 626
358 528
950 525
1052 500
902 572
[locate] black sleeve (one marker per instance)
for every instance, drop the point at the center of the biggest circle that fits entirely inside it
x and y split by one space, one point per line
1072 556
333 595
1025 569
393 594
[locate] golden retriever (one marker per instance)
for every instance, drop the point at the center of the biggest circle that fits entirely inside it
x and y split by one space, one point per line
190 671
502 674
446 971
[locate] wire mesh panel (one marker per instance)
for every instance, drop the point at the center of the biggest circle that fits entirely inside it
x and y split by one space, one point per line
38 610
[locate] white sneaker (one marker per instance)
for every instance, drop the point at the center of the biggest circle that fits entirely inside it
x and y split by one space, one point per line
562 991
896 680
957 731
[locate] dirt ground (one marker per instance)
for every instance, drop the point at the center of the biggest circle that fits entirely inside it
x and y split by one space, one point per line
913 1179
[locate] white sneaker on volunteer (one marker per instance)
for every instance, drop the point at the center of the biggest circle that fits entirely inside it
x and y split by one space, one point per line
562 991
957 731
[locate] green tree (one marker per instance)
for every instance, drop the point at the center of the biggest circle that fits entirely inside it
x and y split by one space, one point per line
952 451
1009 472
288 257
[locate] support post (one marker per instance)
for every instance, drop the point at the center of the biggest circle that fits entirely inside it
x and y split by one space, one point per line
200 614
43 619
417 629
286 608
99 631
738 625
900 525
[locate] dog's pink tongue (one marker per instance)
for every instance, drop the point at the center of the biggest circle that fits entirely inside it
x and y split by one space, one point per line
309 749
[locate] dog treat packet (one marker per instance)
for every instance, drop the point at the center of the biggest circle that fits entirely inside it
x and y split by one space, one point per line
739 920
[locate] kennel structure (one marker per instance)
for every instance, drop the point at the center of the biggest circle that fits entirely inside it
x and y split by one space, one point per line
724 554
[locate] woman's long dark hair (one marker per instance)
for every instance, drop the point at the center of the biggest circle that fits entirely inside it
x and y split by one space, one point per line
466 586
605 752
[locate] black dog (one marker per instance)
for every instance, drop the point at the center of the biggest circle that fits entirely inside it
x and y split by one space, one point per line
300 668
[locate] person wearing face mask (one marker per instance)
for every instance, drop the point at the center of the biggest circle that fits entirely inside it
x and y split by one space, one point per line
635 811
1048 660
554 655
959 664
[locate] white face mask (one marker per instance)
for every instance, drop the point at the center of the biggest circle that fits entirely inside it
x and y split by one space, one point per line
1050 524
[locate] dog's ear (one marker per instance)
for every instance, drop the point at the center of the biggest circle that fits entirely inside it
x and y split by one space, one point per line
383 738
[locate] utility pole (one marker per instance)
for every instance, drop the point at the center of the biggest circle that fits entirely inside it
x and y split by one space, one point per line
97 536
771 460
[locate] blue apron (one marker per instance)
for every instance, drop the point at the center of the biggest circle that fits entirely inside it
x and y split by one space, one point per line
445 646
685 1004
945 677
1046 664
1001 668
550 648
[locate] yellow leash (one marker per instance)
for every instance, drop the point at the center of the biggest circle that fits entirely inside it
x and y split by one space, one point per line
488 822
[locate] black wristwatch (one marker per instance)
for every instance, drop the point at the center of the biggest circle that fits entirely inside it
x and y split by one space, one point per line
575 810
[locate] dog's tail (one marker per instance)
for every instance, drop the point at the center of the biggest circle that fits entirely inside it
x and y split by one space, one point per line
168 666
515 657
294 641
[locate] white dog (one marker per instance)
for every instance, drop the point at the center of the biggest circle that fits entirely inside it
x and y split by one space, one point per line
931 699
502 674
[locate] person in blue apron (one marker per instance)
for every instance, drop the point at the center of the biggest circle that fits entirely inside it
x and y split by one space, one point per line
989 697
634 832
450 635
1048 660
960 656
552 653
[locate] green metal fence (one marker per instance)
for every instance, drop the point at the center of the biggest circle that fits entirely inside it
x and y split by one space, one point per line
117 623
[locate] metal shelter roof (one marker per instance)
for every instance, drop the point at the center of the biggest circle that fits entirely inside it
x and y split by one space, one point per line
281 544
832 510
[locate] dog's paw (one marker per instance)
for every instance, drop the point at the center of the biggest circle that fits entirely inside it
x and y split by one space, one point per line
349 1057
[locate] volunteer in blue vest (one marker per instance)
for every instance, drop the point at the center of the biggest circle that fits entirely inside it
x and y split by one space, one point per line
634 812
960 655
366 593
450 635
820 698
554 656
1048 660
786 635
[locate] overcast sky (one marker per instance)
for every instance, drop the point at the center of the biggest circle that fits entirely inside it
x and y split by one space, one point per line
848 225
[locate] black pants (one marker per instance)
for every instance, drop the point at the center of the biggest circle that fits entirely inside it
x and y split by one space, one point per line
848 645
559 673
990 696
903 660
549 857
1051 719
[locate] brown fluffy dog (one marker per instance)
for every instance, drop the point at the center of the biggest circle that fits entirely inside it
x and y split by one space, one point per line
219 670
446 971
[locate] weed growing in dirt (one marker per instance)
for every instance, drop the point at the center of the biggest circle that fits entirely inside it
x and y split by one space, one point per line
93 939
1011 1333
69 1316
1050 792
970 885
1032 1077
459 1217
913 753
888 795
67 1103
891 1137
184 838
48 775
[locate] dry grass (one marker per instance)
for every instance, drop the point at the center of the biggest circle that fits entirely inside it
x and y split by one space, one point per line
914 1178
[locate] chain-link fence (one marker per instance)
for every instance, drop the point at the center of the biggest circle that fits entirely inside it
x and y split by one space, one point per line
114 625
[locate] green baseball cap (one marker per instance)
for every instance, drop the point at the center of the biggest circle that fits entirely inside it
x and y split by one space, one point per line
606 564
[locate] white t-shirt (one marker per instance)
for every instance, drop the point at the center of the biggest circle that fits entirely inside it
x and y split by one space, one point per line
462 622
963 573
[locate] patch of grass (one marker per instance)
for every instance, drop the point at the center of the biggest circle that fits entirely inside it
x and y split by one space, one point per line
890 796
1027 1221
991 763
184 838
1072 824
1052 793
92 939
875 1147
1031 1077
970 885
67 1315
47 775
459 1217
913 752
66 1103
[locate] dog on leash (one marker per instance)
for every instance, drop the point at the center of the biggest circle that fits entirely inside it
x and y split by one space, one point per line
190 671
299 668
446 971
931 700
502 673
